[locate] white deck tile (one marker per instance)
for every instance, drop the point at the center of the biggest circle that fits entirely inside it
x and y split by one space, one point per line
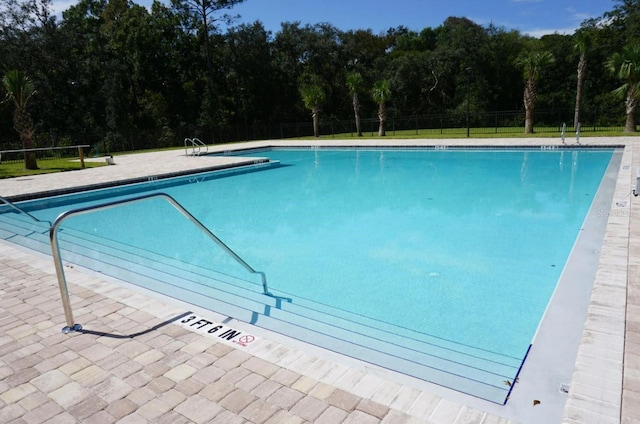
350 379
386 392
446 412
334 374
424 406
366 387
470 416
404 399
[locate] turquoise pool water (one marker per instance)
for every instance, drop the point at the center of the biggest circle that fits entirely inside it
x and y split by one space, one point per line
462 245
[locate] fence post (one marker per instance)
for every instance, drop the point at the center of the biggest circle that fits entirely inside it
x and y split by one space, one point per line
81 154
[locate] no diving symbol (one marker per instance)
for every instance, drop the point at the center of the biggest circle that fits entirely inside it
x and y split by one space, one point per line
245 340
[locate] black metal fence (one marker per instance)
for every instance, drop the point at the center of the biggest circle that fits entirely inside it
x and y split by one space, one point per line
509 122
499 122
432 125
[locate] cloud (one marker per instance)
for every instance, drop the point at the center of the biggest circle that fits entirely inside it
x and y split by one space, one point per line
539 32
533 32
574 17
581 16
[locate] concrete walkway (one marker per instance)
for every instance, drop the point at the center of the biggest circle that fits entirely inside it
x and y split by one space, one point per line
140 359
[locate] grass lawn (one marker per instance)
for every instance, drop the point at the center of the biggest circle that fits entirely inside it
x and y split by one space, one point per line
17 169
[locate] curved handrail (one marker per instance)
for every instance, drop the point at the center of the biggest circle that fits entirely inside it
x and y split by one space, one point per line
200 143
55 247
21 210
196 143
193 147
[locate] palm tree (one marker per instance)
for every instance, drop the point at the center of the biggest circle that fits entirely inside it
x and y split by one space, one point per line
583 44
354 84
313 96
532 64
381 93
20 89
626 67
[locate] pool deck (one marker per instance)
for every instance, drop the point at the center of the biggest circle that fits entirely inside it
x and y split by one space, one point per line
136 362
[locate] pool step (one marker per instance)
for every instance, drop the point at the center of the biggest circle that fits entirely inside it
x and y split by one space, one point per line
100 251
198 275
463 368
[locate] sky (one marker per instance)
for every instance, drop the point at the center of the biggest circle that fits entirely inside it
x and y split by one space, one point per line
531 17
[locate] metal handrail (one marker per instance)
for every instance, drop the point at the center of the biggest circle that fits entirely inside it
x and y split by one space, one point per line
55 247
195 143
21 210
193 147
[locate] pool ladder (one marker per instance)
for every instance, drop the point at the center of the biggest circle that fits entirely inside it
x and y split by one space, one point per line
55 247
196 147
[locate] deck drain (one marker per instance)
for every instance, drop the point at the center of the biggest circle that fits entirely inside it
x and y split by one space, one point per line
564 388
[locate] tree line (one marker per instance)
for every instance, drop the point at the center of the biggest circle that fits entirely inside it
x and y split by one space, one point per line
110 68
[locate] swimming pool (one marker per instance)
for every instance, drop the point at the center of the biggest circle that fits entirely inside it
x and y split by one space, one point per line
454 253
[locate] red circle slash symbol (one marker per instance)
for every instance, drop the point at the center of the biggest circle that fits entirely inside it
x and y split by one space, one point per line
246 339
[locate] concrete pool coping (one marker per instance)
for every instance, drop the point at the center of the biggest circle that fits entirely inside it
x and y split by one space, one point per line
600 390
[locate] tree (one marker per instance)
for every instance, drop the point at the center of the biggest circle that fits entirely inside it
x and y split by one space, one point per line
414 76
461 44
31 42
503 78
557 87
87 57
205 11
583 43
381 93
532 63
20 89
625 66
313 96
625 17
314 50
127 49
367 54
115 74
203 15
354 85
250 74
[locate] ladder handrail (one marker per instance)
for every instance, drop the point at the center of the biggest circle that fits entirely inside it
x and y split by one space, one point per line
201 143
195 143
20 210
193 147
55 247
